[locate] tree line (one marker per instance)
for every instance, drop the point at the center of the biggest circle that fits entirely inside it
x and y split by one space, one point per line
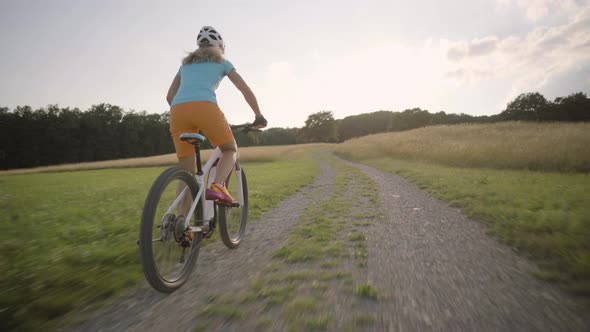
322 127
54 135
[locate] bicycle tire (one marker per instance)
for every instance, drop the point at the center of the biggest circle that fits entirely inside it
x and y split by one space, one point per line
228 217
151 215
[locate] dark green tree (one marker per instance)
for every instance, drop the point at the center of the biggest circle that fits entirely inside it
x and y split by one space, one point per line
279 136
365 124
320 127
575 107
527 106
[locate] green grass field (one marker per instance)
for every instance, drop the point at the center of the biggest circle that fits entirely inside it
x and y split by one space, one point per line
543 214
69 239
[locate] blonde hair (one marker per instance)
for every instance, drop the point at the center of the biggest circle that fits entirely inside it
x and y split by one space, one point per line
204 54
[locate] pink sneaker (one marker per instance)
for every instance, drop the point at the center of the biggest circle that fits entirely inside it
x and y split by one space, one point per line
218 192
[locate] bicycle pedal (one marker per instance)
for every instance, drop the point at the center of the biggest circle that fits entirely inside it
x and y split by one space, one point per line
224 204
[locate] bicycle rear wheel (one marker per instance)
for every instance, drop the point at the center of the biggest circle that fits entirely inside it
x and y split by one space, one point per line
232 220
168 250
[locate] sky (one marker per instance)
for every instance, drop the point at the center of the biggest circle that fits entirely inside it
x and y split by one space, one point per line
299 57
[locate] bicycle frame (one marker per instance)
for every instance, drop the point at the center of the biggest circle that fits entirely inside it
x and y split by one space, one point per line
207 170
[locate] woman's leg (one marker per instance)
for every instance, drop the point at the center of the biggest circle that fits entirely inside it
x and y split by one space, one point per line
188 163
226 161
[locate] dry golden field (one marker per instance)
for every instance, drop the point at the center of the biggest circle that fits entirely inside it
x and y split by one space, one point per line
506 145
255 153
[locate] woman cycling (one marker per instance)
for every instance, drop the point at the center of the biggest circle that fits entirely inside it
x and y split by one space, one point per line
193 103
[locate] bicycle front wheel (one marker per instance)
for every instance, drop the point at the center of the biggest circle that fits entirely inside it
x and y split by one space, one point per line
232 219
168 249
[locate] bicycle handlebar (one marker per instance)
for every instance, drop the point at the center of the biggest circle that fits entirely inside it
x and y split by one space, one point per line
246 127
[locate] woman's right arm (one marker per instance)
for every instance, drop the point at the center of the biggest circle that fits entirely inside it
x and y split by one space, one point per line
238 81
173 89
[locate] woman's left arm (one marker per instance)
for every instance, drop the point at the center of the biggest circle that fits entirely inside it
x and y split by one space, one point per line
173 89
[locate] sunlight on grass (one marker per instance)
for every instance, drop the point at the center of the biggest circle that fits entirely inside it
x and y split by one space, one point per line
506 145
68 239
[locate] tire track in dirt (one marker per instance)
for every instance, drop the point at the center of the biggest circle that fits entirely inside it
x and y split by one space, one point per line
440 271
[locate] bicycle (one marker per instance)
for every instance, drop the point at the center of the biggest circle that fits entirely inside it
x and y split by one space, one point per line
169 243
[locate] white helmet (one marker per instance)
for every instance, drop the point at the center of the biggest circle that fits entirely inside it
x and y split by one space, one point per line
211 35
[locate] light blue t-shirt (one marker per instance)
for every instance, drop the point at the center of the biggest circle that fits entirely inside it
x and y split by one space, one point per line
198 81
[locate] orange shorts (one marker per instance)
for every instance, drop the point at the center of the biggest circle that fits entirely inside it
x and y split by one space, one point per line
194 116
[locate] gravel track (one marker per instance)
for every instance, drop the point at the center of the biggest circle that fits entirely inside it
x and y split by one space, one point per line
435 270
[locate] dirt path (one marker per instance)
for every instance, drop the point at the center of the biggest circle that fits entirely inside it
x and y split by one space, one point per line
441 272
336 257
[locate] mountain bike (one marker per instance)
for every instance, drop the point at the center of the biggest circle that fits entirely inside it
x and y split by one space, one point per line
176 217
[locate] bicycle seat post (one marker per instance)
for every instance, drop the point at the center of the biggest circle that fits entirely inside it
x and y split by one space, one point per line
198 153
196 140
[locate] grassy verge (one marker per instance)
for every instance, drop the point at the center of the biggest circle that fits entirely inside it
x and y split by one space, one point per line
68 239
544 215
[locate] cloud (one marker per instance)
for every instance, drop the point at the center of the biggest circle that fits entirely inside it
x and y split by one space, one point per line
537 9
468 75
530 61
476 47
385 76
474 76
